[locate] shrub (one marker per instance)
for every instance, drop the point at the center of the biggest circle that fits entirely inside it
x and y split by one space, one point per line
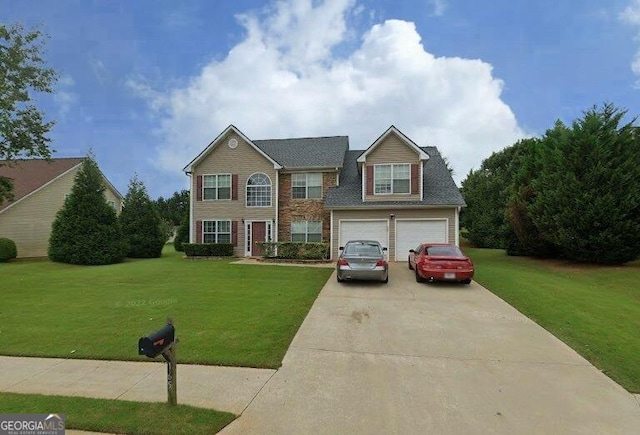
289 250
268 249
141 223
8 250
295 250
208 249
314 251
86 230
182 235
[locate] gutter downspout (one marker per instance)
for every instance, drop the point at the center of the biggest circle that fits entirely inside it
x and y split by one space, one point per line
457 226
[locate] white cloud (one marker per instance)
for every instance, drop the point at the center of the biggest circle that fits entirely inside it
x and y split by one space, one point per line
63 96
631 15
282 80
439 6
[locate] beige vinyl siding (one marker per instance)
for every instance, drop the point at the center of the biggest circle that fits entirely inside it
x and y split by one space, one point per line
243 161
391 150
417 213
28 222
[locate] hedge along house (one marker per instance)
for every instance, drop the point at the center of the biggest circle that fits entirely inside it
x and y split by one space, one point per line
315 189
40 188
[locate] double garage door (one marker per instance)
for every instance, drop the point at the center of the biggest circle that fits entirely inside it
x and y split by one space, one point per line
408 233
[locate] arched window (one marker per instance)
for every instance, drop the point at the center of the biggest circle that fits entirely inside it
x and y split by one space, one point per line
259 191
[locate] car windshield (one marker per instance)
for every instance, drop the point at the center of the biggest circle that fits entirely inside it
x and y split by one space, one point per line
363 249
444 251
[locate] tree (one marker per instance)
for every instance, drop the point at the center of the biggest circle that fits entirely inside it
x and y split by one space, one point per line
586 196
486 192
86 230
141 223
23 131
182 235
174 209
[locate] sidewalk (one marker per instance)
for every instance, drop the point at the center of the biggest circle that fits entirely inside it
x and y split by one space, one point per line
228 389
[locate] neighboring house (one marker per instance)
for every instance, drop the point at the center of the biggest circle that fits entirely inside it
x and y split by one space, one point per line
40 188
316 189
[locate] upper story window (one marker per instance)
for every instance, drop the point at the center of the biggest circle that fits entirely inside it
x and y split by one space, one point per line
306 186
259 191
392 178
217 186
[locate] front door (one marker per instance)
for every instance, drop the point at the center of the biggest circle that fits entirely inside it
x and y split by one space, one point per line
258 235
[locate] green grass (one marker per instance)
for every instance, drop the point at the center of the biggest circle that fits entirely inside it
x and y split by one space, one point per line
224 314
594 309
118 416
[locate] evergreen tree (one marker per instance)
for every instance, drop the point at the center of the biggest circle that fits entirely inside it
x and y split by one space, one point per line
586 198
86 230
141 223
182 235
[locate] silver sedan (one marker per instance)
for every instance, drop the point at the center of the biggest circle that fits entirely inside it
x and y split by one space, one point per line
362 259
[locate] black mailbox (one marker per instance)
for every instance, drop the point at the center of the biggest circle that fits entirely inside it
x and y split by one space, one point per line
154 343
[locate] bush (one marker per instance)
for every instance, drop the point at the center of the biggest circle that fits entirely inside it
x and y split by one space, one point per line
295 250
208 249
268 249
182 235
141 223
86 230
8 250
289 250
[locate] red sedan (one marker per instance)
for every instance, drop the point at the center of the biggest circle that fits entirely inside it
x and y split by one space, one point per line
440 262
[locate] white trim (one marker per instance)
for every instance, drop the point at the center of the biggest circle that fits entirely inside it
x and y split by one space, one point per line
411 144
421 181
248 242
191 208
218 139
246 196
306 184
331 235
363 220
277 208
457 228
395 229
363 178
392 170
217 174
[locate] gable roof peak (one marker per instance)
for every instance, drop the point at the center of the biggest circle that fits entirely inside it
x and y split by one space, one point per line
393 130
231 128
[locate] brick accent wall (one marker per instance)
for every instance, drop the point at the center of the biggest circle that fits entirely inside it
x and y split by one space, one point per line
303 209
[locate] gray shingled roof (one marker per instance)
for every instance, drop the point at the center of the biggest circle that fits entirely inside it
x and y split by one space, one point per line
310 152
438 185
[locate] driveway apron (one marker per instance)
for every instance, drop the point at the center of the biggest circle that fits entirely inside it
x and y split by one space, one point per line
409 358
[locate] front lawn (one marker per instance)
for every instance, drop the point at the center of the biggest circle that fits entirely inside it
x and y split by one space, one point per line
224 314
594 309
119 416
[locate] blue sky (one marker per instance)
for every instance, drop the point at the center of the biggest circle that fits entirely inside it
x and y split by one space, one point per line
148 84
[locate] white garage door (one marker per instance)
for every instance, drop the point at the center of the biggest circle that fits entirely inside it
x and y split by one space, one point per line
409 233
364 230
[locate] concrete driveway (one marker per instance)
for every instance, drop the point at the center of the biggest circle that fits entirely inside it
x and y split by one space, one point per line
409 358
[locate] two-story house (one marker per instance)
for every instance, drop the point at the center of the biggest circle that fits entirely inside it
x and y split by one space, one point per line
315 189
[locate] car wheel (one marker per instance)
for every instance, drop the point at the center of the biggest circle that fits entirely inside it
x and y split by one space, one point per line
338 278
418 277
409 264
466 281
386 280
